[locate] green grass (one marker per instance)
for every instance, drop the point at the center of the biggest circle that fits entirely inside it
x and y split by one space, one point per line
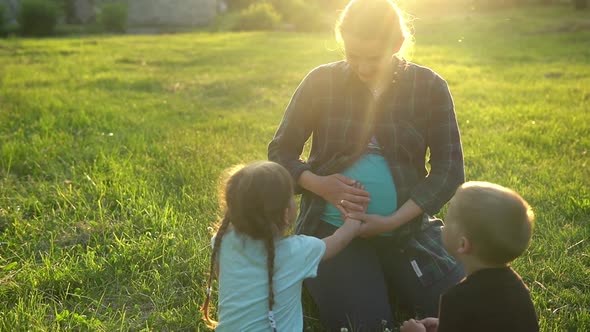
110 149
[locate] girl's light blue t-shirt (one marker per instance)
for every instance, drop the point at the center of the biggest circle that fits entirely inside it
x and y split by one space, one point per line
373 172
243 281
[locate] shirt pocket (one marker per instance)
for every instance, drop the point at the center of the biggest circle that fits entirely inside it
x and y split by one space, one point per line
427 256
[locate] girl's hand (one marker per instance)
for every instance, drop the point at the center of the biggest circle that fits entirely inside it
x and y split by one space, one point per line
340 190
373 224
412 326
353 225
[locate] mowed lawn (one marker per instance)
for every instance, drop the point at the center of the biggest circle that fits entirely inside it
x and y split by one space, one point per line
111 146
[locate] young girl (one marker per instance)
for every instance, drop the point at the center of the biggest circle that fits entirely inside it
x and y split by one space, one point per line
260 270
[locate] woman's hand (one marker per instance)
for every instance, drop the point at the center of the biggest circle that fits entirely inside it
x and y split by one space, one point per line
430 323
340 190
344 204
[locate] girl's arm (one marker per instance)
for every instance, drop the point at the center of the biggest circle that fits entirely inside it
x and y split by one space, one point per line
341 238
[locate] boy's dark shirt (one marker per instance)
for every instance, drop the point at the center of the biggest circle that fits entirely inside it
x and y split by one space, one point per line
488 300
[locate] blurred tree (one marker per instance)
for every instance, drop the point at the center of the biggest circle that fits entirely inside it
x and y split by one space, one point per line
238 4
38 17
66 9
329 5
69 8
581 4
113 16
2 18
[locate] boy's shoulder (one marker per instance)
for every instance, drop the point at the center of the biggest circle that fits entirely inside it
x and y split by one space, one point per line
498 293
488 279
503 275
490 287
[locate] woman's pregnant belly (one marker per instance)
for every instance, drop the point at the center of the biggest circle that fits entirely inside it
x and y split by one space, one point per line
373 172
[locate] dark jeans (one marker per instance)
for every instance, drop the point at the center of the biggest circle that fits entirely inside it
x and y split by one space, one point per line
359 287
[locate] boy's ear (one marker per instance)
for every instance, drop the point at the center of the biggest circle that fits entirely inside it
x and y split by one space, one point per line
465 246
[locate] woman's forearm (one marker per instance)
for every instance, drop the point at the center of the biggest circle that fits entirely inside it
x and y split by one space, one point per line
375 224
407 212
309 181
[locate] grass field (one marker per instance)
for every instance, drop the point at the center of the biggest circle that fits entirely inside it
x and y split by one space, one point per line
110 149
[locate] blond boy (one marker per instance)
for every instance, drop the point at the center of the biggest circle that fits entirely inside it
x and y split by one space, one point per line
487 227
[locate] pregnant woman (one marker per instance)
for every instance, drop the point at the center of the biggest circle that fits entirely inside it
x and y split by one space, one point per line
375 118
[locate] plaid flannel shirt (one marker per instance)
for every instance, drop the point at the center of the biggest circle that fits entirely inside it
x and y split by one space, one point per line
414 116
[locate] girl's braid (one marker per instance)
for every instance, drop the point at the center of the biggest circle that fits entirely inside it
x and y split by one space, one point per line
216 245
270 262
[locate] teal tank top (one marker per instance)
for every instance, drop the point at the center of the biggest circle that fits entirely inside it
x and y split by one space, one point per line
373 172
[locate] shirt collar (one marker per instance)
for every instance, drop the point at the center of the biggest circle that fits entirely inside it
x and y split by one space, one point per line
399 65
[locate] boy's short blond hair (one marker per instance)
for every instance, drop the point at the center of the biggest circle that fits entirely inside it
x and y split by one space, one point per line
497 220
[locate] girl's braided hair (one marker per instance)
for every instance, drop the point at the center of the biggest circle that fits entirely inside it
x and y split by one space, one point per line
255 199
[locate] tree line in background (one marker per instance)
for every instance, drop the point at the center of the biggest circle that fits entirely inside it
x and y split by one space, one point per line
578 4
41 17
300 15
314 15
